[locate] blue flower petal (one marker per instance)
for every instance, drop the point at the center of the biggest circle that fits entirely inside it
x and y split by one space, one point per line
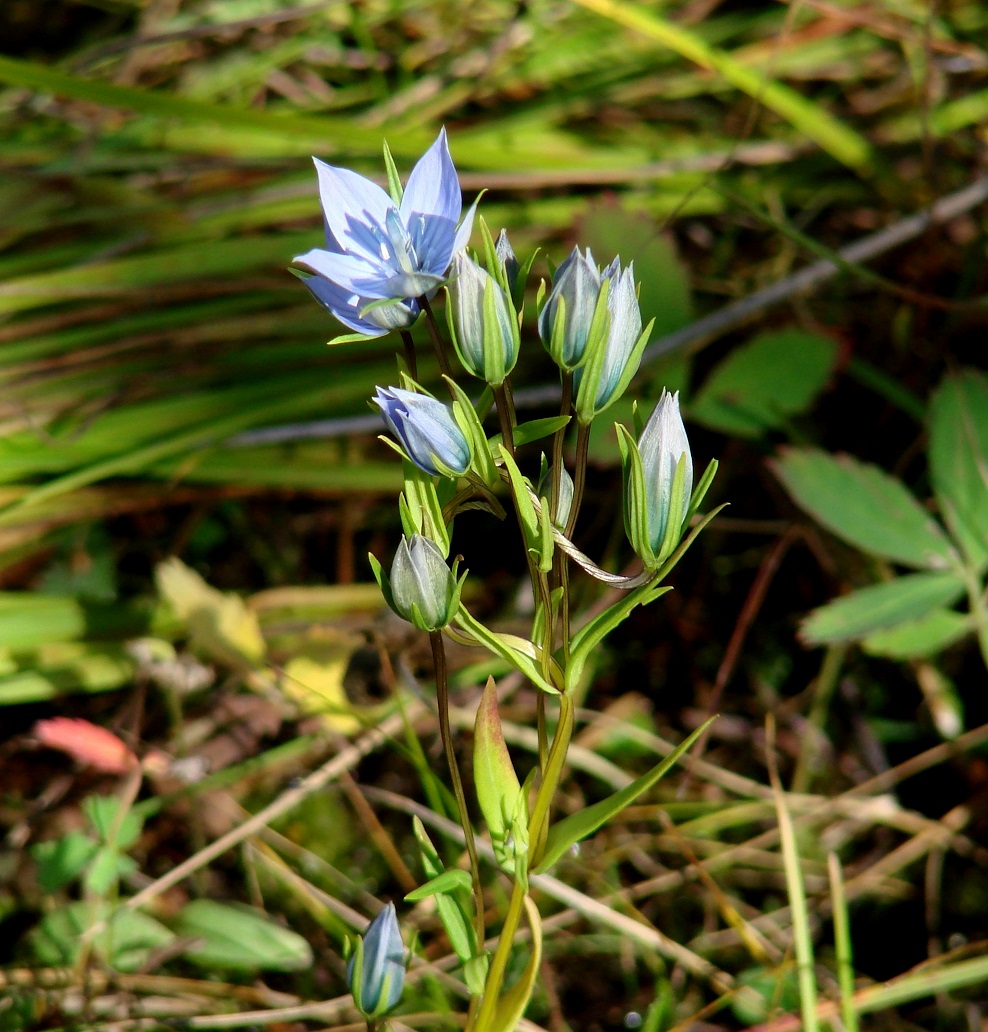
344 195
432 239
433 188
347 308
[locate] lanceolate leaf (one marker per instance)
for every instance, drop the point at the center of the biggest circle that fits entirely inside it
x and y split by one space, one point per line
959 460
865 506
917 638
240 938
579 825
881 606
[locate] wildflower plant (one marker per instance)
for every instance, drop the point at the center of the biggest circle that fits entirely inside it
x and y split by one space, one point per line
387 258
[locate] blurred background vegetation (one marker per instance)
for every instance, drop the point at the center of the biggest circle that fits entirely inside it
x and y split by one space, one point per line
186 500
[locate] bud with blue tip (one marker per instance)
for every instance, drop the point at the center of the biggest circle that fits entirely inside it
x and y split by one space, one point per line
569 317
658 482
427 432
482 322
615 345
376 969
422 588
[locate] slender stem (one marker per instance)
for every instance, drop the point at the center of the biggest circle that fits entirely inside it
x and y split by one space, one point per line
580 479
552 775
442 694
543 733
410 357
437 338
505 415
499 962
558 440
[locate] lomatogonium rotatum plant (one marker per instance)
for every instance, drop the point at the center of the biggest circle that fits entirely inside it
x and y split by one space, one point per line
386 259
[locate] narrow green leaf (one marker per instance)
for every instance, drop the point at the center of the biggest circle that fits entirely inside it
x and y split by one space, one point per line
584 822
812 120
865 506
537 429
959 460
440 885
881 606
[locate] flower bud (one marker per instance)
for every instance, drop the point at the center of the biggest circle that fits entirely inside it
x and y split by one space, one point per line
482 322
376 970
426 431
613 357
507 260
544 490
658 482
423 588
568 314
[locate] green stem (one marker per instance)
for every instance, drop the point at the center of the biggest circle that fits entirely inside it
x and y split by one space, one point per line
558 440
505 415
442 694
580 478
499 962
410 358
437 338
539 821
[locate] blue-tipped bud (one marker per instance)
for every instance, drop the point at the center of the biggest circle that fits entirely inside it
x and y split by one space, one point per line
423 589
507 260
376 970
482 322
426 430
658 482
613 356
567 317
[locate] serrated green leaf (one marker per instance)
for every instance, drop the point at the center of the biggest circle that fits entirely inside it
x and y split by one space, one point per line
881 606
916 639
865 506
240 938
760 385
959 460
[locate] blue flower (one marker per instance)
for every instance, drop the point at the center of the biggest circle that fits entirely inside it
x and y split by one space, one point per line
376 970
377 250
426 430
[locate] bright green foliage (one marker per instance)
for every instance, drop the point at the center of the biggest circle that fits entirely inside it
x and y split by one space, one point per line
759 385
240 938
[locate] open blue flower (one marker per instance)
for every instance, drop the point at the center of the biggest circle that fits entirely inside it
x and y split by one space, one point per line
379 250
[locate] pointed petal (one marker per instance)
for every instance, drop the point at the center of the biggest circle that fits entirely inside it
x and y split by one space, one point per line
350 273
330 296
432 238
433 188
462 237
344 194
